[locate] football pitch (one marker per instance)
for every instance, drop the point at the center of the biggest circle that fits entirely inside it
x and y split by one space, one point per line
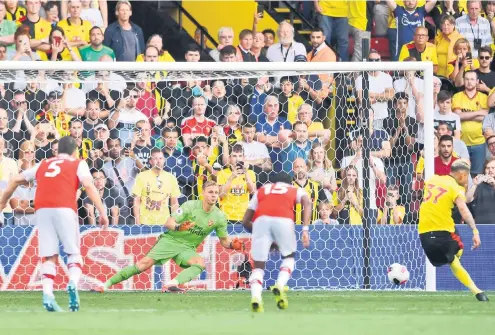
312 313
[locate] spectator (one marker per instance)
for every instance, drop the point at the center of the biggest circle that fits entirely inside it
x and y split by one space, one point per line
52 12
325 213
142 144
95 50
147 102
289 100
125 38
76 29
360 25
101 5
177 163
8 170
102 133
420 49
256 101
14 11
255 153
408 18
320 168
21 115
473 22
392 213
85 145
244 53
348 201
334 21
225 38
106 90
321 52
258 48
463 63
122 172
228 54
92 15
233 124
460 148
12 136
481 194
39 28
92 119
217 103
154 191
485 75
125 119
380 93
403 130
379 139
446 115
298 147
156 41
203 165
3 52
472 107
112 201
237 183
22 204
201 42
446 8
269 35
197 124
444 160
490 142
43 133
312 188
413 87
305 114
7 29
73 99
23 51
35 97
61 49
445 41
287 50
193 53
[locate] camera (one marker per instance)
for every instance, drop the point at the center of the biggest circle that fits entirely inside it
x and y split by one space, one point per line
477 43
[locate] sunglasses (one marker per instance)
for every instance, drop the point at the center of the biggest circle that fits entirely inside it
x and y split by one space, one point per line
18 103
374 59
484 57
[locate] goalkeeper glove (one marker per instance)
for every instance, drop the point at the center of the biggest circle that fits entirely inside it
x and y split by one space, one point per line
184 227
237 244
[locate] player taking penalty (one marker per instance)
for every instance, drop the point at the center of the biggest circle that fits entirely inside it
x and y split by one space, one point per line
270 217
55 202
436 227
187 228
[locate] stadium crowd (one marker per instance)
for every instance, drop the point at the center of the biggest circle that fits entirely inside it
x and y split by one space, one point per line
152 142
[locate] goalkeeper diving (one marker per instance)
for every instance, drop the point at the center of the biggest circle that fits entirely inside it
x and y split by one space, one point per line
187 228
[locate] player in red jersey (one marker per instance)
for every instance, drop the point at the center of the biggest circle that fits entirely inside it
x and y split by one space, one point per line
55 202
270 217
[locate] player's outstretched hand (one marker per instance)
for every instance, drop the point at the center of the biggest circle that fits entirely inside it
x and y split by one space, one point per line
305 239
103 222
237 244
186 226
476 241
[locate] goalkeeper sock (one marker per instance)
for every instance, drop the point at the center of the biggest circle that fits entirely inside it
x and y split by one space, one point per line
189 274
286 269
256 283
124 274
48 272
74 263
463 276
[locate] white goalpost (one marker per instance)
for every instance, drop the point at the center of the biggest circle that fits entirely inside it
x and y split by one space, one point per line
336 259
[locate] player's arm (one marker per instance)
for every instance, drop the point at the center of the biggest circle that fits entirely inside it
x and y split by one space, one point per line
247 220
18 180
231 243
307 209
136 209
90 209
468 219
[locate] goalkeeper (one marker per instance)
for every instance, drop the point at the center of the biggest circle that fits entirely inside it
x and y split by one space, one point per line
187 228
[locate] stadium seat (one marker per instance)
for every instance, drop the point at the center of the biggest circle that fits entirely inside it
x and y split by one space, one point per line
380 44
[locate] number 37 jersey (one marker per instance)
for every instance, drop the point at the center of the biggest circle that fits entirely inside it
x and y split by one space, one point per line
435 213
57 181
276 200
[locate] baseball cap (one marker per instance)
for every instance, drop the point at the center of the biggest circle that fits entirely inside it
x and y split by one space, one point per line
101 126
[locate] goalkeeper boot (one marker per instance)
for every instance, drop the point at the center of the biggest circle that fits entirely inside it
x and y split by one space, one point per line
50 304
257 306
280 297
73 297
482 297
172 289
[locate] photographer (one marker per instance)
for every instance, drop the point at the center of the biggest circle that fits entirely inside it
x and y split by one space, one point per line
481 195
142 143
236 184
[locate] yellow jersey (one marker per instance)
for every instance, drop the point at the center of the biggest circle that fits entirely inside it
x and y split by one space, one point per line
235 203
354 216
293 104
402 214
76 32
361 14
440 194
155 193
16 15
312 188
164 57
335 8
61 122
428 55
472 131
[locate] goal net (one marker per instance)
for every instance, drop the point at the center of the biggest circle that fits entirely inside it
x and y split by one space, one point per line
355 135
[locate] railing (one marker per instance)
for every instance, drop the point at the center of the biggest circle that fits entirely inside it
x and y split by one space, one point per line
204 33
294 13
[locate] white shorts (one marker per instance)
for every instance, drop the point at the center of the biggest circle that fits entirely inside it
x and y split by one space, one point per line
266 230
55 226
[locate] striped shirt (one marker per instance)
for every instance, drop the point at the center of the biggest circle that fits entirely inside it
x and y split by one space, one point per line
481 30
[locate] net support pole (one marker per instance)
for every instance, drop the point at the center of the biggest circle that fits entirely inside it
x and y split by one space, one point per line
431 277
365 124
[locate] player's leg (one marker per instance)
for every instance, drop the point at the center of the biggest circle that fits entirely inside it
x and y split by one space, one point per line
261 241
48 251
192 263
285 237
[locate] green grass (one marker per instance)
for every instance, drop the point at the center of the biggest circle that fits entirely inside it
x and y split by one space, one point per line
311 313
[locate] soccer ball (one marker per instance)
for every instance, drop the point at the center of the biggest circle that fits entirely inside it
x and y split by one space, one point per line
397 274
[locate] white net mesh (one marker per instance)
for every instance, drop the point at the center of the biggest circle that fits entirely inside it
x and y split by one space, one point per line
311 124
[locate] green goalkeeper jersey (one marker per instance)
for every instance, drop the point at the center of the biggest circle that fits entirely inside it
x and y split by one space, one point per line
204 223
